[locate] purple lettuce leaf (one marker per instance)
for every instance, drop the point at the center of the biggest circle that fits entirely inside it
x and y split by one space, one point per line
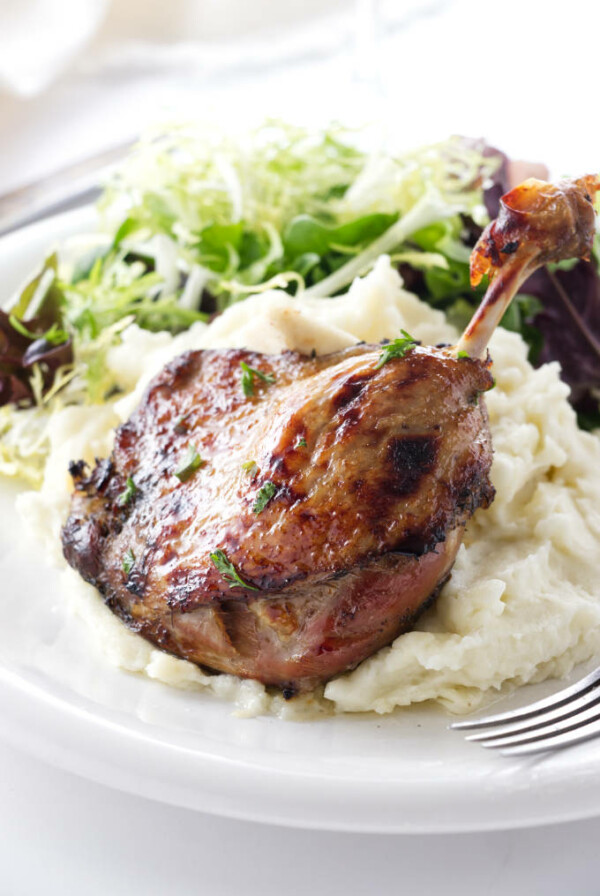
18 354
570 325
39 316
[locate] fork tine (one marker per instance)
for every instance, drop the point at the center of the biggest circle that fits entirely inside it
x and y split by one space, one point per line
553 715
557 742
574 690
551 730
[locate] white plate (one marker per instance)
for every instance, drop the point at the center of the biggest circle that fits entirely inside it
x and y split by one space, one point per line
61 700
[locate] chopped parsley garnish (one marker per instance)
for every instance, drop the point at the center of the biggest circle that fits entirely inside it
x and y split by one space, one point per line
181 425
130 492
228 570
462 355
396 349
301 443
265 493
190 463
248 374
250 467
128 561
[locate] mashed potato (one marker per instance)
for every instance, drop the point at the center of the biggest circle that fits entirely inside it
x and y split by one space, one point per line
523 603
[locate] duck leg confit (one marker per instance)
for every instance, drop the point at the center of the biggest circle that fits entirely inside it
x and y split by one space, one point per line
282 517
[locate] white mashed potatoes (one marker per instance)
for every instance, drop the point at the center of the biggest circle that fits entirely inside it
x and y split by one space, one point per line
523 603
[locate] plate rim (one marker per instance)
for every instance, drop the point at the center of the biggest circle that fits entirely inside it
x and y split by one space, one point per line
97 749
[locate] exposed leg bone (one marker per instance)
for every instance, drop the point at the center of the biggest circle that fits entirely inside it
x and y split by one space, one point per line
539 222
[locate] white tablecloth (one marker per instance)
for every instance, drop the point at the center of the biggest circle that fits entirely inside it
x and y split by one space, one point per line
62 835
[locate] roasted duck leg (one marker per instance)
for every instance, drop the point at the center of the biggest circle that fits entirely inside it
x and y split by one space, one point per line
325 514
282 517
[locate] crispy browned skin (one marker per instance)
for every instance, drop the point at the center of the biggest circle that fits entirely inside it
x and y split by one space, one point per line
362 530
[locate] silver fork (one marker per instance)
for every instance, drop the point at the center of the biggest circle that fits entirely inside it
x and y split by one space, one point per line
70 187
568 717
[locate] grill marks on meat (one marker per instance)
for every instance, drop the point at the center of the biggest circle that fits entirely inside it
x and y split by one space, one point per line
362 528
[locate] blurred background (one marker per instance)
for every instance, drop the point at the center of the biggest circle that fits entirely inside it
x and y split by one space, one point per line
77 76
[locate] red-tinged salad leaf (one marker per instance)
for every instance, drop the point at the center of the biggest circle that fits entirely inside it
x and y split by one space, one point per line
32 334
498 184
569 325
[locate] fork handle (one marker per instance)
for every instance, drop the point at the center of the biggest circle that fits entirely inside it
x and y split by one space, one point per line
30 212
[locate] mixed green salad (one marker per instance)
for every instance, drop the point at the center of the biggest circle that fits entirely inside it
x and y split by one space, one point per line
191 224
